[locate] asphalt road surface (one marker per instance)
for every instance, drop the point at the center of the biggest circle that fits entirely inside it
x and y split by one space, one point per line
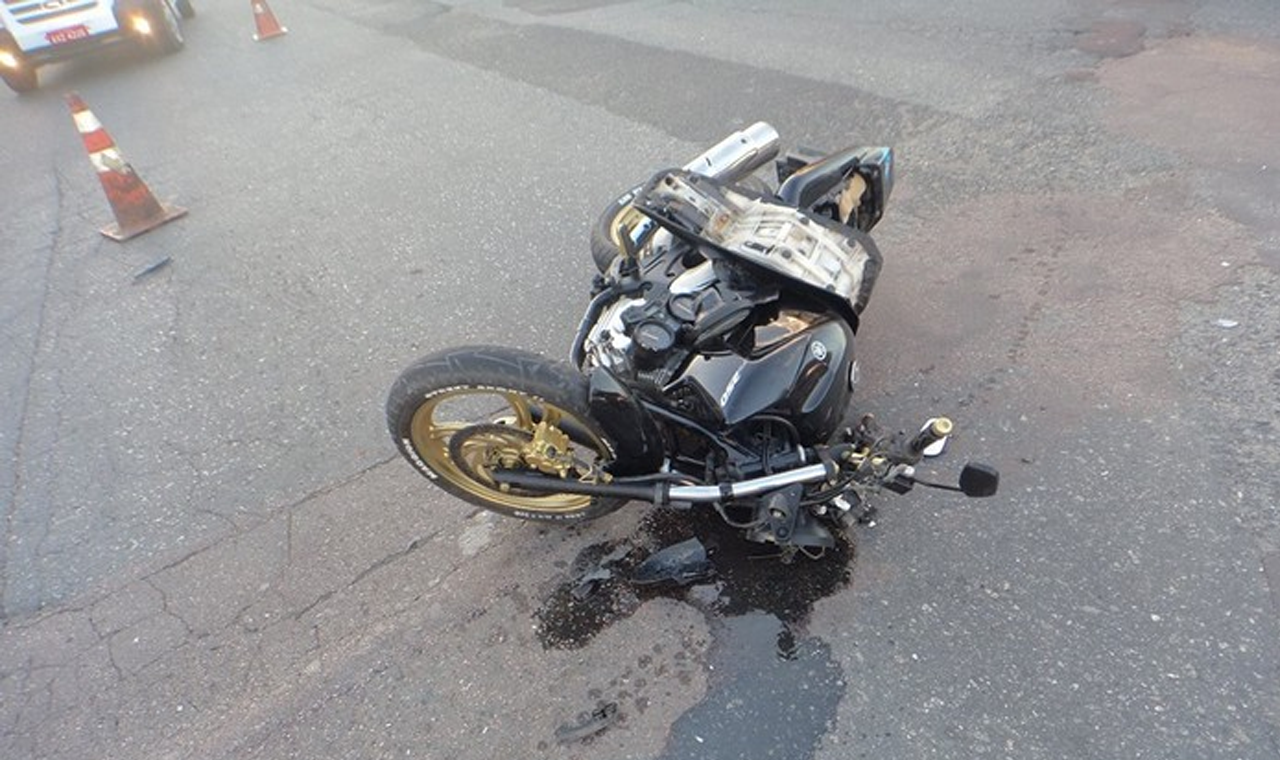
211 549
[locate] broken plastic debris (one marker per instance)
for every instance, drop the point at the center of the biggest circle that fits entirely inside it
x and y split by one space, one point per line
588 725
591 580
153 267
681 563
589 583
1227 323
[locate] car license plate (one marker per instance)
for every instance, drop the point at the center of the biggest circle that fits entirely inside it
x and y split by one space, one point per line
70 34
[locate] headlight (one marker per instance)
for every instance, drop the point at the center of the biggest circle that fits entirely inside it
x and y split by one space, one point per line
8 60
140 24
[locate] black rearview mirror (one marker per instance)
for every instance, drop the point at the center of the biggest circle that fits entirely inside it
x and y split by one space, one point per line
979 480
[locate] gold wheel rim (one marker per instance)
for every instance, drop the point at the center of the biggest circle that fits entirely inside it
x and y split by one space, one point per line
431 435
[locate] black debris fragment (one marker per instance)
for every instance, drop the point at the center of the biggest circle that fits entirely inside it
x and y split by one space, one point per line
589 583
152 268
683 563
588 725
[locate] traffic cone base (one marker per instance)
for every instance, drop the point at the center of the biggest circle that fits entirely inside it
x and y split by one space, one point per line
265 21
135 208
168 212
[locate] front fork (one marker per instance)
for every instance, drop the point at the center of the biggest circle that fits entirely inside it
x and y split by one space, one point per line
632 430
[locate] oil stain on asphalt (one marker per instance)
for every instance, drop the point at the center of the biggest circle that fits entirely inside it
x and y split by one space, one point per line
772 689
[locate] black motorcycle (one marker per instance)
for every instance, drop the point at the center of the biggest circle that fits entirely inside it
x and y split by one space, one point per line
714 364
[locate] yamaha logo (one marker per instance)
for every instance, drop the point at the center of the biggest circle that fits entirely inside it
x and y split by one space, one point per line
819 350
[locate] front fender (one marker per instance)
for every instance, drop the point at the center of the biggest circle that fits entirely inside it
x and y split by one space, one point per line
632 430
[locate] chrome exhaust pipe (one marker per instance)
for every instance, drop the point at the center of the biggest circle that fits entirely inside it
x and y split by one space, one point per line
739 154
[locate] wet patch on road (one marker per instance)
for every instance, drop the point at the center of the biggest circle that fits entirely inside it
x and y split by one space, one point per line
747 577
595 596
772 689
759 705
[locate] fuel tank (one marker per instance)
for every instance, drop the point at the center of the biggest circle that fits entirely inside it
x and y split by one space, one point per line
799 369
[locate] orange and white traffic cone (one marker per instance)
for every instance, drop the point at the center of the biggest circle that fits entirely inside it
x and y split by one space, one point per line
136 209
265 20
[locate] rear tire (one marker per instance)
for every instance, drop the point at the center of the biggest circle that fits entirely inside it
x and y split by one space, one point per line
457 415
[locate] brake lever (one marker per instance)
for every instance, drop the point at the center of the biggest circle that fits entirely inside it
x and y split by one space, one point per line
939 486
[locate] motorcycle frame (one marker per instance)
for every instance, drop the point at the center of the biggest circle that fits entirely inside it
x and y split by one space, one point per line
639 421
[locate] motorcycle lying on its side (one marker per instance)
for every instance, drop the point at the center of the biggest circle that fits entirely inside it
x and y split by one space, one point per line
714 364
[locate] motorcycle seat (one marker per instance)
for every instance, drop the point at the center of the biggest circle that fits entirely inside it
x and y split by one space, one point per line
811 182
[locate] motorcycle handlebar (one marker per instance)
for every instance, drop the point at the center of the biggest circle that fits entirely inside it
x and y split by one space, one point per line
937 429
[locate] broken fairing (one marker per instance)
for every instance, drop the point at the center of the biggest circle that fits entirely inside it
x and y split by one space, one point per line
838 261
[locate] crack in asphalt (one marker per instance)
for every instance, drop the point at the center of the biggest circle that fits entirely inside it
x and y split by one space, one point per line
31 692
257 523
24 397
413 546
165 609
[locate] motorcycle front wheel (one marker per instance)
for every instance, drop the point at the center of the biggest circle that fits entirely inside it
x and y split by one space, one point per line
460 414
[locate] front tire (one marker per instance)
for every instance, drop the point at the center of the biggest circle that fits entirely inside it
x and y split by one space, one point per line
457 415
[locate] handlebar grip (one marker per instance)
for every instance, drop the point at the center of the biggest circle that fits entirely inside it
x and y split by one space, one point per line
938 428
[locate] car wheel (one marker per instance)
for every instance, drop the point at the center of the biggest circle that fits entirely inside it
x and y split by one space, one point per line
165 27
22 80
